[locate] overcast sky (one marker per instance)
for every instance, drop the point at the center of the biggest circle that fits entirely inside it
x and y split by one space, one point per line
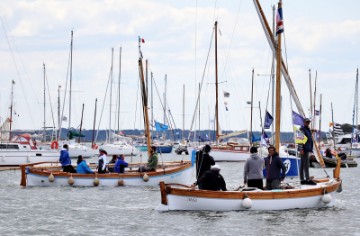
319 35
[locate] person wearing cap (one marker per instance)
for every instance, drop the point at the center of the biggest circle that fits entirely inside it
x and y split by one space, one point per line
253 170
203 161
152 161
305 150
65 160
212 180
275 169
102 161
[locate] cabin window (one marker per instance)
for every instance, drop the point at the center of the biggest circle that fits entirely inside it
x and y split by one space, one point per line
38 154
9 146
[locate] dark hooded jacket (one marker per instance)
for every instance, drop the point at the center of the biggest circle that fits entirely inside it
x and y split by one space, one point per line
308 146
275 168
203 163
212 180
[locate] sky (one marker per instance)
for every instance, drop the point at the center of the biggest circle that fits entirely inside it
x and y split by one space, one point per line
321 36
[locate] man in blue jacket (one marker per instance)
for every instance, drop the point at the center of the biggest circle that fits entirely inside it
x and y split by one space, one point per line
274 165
120 164
305 150
65 160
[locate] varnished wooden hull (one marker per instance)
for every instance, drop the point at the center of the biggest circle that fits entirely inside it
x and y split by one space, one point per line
181 198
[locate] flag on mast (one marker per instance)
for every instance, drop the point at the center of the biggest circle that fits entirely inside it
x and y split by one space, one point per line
279 21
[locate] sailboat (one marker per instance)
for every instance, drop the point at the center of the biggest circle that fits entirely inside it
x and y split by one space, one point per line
294 196
50 174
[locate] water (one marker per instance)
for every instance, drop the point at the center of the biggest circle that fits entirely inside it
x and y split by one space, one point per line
131 211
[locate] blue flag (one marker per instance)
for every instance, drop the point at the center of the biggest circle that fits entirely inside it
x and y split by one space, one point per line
255 139
160 127
297 119
264 140
268 120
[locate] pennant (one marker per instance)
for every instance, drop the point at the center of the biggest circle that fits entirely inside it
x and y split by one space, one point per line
268 120
226 94
160 127
226 106
141 40
264 139
297 119
279 21
317 112
300 137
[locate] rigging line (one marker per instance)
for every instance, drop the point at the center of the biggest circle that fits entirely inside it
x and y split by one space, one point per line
196 15
137 101
17 69
51 108
202 81
66 86
103 106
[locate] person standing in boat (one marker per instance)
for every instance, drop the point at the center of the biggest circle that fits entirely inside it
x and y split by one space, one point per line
274 166
65 160
152 161
102 161
120 164
82 167
253 170
305 150
112 162
212 180
203 161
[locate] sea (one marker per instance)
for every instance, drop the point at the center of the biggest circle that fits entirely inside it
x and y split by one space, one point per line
132 210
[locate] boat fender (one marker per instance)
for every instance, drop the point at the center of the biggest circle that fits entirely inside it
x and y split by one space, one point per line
120 182
246 203
54 145
94 146
326 198
145 177
51 177
71 180
96 181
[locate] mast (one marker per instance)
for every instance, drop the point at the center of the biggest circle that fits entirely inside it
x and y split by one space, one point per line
311 103
332 120
152 103
356 98
199 115
320 110
44 102
82 115
278 84
183 115
251 108
144 101
111 84
314 104
59 118
71 61
273 76
165 99
93 132
11 106
118 121
217 92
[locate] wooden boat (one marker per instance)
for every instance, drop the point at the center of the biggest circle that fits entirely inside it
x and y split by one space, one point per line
331 162
41 174
51 174
289 196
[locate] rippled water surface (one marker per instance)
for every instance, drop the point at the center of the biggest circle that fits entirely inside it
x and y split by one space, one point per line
131 211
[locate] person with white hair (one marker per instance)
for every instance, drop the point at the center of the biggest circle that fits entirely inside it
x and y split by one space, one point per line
212 180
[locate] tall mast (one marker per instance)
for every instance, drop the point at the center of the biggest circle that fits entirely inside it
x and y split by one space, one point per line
273 76
11 106
356 98
44 102
119 91
217 92
59 118
146 76
320 110
71 60
93 132
82 116
183 115
314 105
251 104
311 103
199 115
145 102
278 87
152 103
111 83
165 99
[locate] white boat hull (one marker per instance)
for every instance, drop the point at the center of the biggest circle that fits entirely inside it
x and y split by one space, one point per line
226 155
234 201
113 149
15 158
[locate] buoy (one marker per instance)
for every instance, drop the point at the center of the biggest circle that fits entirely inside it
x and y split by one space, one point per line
71 180
326 198
54 145
51 177
145 177
96 181
246 203
120 182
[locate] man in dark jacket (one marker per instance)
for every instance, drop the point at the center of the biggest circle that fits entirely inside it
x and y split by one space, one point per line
203 161
305 150
65 160
212 180
274 165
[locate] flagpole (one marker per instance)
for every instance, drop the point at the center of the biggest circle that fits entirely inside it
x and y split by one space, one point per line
278 86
